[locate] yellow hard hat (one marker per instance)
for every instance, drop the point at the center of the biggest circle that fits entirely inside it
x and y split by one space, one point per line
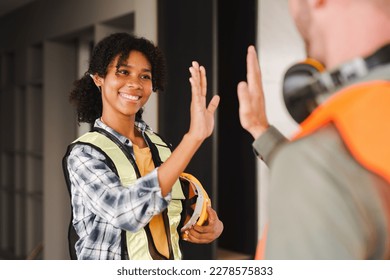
197 201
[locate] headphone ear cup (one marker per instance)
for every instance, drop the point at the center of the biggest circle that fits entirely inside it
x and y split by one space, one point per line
295 91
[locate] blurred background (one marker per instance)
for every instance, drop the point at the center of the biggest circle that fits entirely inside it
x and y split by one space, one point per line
45 45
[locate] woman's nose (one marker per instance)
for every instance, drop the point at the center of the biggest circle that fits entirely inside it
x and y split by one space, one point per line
133 82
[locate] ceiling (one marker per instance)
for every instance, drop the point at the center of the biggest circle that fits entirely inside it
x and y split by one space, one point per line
7 6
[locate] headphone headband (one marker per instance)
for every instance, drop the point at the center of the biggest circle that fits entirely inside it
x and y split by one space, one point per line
301 100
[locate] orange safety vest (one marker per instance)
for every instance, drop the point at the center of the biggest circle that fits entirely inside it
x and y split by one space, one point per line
361 114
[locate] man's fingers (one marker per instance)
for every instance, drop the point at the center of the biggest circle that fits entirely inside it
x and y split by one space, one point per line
253 71
242 87
253 68
243 95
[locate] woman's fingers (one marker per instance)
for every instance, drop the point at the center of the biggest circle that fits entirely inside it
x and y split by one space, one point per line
202 114
208 232
213 105
203 81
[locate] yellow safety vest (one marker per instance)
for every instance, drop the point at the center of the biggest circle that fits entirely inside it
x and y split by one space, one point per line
138 242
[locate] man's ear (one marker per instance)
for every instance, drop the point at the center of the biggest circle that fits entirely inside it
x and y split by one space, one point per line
317 3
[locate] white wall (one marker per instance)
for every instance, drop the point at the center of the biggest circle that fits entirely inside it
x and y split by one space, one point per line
279 46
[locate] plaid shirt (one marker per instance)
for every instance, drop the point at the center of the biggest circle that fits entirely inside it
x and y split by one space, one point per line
102 207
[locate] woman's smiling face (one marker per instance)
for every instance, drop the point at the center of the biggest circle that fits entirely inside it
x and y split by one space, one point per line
127 87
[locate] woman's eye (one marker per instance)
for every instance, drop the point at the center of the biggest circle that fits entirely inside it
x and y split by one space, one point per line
146 77
122 72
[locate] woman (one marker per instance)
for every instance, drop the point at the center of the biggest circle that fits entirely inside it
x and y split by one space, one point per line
122 177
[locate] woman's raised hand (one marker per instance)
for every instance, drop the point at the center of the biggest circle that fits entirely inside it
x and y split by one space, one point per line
202 116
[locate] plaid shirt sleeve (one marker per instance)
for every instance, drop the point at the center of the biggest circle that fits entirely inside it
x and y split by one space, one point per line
97 190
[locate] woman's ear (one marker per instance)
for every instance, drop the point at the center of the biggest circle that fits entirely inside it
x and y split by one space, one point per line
97 80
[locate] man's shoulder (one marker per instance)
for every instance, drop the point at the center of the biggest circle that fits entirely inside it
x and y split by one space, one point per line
323 145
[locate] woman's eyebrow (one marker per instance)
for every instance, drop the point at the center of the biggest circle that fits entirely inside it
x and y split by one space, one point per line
130 66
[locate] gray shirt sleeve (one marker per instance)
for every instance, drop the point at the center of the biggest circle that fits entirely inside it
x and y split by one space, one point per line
267 144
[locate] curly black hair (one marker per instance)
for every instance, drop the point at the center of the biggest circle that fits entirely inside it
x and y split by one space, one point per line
86 96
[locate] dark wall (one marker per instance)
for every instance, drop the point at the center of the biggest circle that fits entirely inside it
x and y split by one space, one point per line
185 34
236 162
216 34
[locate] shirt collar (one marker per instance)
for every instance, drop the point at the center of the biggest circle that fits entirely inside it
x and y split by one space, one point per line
140 125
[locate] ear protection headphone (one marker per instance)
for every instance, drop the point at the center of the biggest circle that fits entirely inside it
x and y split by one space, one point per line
306 84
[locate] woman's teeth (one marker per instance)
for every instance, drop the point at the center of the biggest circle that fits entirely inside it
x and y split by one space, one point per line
130 97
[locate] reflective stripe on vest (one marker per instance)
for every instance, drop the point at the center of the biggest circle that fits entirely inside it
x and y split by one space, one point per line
137 242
